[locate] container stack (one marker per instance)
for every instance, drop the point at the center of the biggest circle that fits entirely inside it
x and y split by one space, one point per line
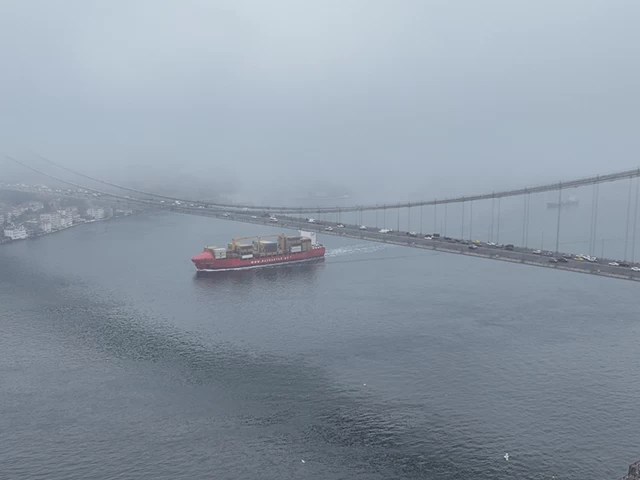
268 247
293 244
245 250
217 252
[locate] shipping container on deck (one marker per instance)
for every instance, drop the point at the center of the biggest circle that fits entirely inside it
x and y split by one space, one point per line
265 246
292 241
244 249
296 249
268 243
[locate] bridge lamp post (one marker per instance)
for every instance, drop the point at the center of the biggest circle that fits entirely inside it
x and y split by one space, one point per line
435 215
498 223
493 216
558 223
635 221
626 234
462 224
445 220
471 221
525 220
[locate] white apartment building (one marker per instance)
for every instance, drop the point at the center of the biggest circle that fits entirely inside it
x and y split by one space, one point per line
32 227
15 232
97 213
75 214
66 219
55 221
45 222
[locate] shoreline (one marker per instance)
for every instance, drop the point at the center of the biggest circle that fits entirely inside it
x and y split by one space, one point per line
35 237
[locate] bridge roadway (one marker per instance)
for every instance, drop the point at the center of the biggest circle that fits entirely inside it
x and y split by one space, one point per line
518 255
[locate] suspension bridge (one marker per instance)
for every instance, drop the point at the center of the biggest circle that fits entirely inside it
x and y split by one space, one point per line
372 221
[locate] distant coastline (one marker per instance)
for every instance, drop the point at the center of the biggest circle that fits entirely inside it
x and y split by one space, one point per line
7 241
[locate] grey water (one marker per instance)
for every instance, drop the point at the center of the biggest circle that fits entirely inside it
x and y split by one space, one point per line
382 362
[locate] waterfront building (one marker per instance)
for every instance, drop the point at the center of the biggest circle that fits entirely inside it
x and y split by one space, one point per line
15 232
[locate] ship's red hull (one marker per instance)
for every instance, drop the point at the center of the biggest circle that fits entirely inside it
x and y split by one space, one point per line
205 261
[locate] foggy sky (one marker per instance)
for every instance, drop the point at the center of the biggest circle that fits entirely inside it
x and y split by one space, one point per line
395 99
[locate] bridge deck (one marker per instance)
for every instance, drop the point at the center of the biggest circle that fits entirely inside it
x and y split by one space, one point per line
518 255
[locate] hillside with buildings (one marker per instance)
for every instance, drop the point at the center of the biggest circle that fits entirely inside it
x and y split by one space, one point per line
21 218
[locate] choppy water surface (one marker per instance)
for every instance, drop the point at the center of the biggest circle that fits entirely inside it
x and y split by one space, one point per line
382 362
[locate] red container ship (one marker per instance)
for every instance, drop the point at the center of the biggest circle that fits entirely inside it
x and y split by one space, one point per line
243 254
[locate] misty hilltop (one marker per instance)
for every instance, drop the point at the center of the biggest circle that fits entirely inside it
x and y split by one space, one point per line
389 99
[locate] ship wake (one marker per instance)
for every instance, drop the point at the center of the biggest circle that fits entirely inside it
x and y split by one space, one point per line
356 249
